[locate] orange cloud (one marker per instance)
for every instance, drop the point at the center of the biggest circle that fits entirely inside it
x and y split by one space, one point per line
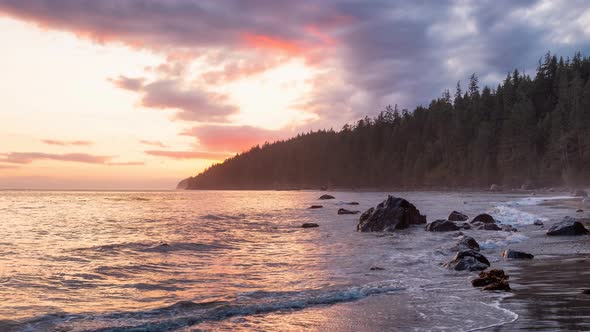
189 154
153 143
65 143
29 157
232 138
274 44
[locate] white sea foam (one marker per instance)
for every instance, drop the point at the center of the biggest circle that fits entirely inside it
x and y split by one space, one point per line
496 243
512 216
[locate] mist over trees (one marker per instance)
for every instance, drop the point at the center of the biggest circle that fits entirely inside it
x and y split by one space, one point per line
524 131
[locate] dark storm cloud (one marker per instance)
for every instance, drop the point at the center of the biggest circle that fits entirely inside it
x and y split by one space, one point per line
402 52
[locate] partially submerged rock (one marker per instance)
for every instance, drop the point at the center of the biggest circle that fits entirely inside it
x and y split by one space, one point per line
458 216
538 223
345 211
568 227
309 225
579 210
513 254
327 197
391 214
484 218
489 227
442 226
316 206
353 203
377 268
466 243
468 259
492 280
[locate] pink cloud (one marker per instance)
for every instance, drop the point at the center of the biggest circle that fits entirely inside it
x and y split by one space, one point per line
189 154
153 143
65 143
232 138
126 163
29 157
128 83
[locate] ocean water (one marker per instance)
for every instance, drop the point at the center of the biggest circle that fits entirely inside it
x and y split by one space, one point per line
238 260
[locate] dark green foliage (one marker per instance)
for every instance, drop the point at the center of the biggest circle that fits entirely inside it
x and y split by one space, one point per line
534 131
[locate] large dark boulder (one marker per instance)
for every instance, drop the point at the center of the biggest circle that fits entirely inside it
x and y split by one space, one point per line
513 254
484 218
345 211
469 260
327 197
466 242
458 216
569 226
442 226
391 214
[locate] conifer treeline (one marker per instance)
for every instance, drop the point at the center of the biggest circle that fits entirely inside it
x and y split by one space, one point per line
525 131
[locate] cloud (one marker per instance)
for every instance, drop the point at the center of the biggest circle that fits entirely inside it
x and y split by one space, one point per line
153 143
189 154
8 166
232 138
128 83
370 53
29 157
66 143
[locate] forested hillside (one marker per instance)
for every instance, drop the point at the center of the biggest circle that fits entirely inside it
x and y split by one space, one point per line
527 130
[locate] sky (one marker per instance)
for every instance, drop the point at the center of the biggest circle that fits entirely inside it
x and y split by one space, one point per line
139 94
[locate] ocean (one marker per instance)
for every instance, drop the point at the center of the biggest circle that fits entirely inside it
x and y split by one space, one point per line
239 260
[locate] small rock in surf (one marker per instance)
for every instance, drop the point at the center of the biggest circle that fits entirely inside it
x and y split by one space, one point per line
310 225
442 226
316 207
458 216
513 254
484 218
468 259
345 211
466 242
327 197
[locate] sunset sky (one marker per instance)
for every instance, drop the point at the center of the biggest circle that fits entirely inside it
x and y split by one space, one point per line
138 94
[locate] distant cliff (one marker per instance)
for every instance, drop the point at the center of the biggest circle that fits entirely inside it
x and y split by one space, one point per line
525 131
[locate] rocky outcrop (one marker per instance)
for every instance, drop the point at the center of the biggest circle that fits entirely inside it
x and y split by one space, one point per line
345 211
484 218
580 193
468 260
466 243
492 280
458 216
442 226
309 225
568 227
327 197
316 207
391 214
513 254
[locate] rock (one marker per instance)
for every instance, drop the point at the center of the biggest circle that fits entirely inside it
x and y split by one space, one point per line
569 226
466 243
492 280
513 254
353 203
495 187
538 223
310 225
468 259
465 226
316 207
458 216
586 291
509 228
579 210
442 226
489 227
391 214
580 193
484 218
327 197
377 268
345 211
